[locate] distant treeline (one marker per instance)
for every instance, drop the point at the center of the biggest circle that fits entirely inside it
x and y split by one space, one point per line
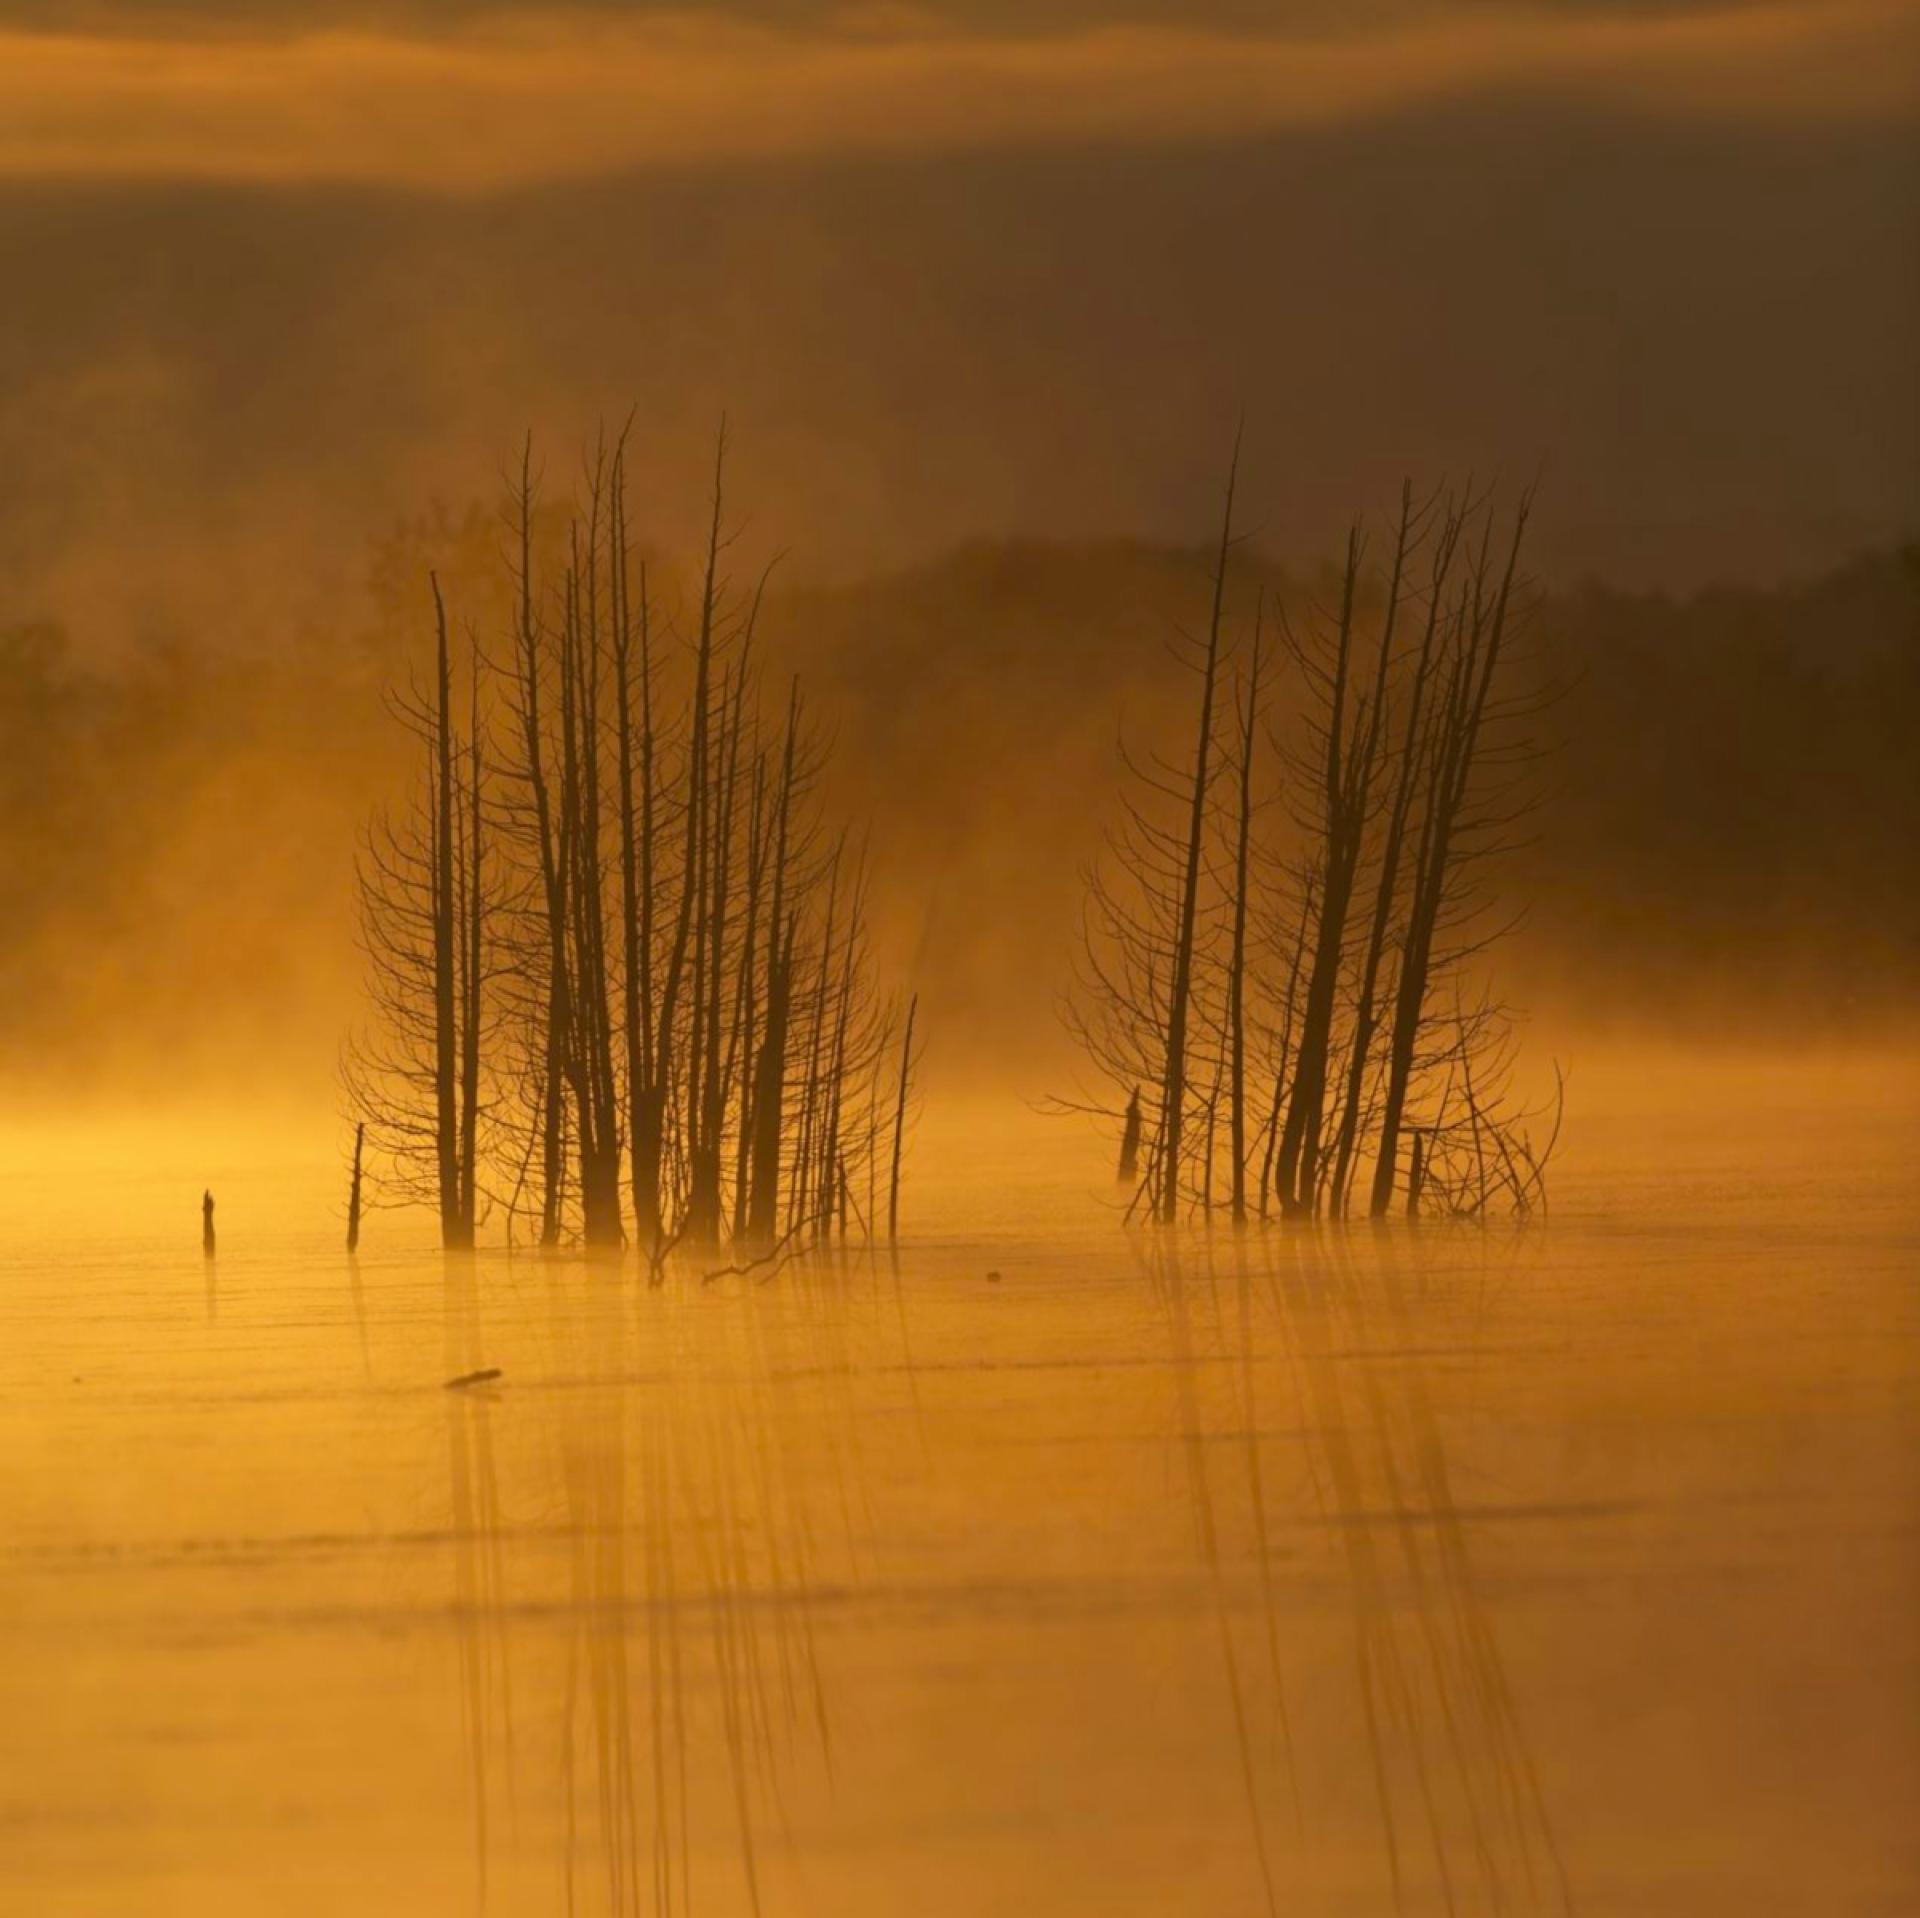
1725 831
1725 840
1741 796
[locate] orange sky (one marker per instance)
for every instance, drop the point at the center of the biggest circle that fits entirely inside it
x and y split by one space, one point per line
505 98
279 271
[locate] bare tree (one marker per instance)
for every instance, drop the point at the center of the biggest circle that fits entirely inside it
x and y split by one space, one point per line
1405 759
1151 917
1457 737
632 946
1237 950
1173 1083
426 897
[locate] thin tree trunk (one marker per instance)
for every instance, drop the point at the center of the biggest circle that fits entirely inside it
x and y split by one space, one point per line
1347 770
1286 1041
900 1124
743 1054
763 1205
353 1189
473 971
1366 1013
636 875
1173 1091
1237 964
1456 744
445 1058
552 865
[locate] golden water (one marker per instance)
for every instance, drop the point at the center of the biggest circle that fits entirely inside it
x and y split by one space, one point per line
1567 1570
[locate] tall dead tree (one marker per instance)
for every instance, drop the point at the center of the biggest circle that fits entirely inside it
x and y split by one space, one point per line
426 900
1173 1082
638 903
900 1122
1346 745
590 1053
635 746
1456 736
765 1119
1365 1022
1151 917
1212 953
1237 949
548 1019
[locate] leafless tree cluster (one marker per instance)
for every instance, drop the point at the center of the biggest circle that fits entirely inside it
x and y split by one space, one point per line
1278 980
619 977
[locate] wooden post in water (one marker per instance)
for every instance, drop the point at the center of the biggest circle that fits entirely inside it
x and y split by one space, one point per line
1130 1138
206 1223
353 1191
1416 1175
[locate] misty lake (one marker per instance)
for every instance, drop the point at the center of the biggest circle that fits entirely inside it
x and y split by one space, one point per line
1053 1569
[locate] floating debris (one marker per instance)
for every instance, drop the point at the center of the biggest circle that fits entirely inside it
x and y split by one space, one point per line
484 1376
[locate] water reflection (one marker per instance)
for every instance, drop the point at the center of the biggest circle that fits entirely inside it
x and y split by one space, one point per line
685 1461
1568 1547
479 1607
653 1511
1462 1817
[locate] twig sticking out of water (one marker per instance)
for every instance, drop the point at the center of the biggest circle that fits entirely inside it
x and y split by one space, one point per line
485 1376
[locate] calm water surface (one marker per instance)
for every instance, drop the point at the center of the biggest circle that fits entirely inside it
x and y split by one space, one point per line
1572 1570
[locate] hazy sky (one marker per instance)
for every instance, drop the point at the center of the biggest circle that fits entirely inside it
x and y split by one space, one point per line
278 271
458 96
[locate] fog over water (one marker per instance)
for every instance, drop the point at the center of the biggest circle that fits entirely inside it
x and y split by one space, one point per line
1520 1571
